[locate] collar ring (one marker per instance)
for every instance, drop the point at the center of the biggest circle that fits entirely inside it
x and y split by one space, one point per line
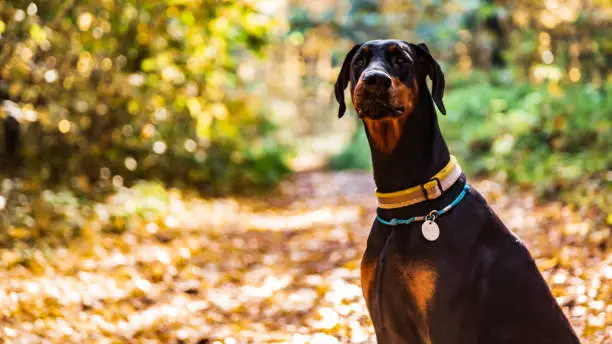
432 215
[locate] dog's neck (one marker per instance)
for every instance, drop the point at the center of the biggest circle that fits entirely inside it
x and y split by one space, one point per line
420 153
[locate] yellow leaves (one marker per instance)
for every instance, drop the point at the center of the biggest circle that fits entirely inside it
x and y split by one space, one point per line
36 263
574 74
133 107
141 287
149 64
194 106
173 11
172 73
157 101
256 23
328 318
548 264
64 126
20 233
554 89
84 21
156 265
219 111
106 64
85 63
148 131
187 18
15 88
204 120
219 26
37 33
68 82
145 36
2 26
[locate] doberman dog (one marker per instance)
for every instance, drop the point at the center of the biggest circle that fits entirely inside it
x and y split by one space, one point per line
440 266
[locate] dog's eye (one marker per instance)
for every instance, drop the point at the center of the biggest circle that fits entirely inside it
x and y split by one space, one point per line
359 63
399 60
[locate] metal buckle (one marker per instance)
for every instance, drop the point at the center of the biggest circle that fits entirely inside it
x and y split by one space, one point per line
439 184
424 192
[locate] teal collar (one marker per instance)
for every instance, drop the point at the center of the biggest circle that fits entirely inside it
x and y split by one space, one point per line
429 217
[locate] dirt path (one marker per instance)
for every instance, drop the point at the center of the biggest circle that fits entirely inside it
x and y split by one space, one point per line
283 268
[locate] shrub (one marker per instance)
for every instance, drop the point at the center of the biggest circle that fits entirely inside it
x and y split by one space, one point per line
109 92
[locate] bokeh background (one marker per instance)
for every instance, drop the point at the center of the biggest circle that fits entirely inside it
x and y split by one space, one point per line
174 171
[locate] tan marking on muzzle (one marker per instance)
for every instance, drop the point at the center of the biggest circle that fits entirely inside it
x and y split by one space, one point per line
386 131
357 94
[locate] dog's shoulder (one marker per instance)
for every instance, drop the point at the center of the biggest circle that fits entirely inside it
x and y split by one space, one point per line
514 292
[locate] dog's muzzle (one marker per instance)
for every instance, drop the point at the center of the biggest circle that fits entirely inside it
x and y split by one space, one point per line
372 96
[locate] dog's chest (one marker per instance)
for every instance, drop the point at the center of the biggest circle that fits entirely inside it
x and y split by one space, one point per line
400 293
405 289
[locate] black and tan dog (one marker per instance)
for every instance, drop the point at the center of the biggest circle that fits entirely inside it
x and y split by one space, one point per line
459 275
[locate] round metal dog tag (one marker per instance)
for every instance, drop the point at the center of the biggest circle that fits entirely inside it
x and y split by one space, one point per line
430 230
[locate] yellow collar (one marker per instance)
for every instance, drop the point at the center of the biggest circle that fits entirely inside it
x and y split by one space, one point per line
433 189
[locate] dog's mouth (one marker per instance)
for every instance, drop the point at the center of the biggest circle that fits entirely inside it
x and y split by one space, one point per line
379 109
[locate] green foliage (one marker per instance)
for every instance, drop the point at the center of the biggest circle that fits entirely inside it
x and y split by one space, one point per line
542 135
356 155
108 92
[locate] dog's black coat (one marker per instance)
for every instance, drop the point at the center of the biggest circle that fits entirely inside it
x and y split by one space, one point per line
487 287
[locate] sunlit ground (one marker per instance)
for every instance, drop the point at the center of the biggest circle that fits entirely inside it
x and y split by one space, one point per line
155 266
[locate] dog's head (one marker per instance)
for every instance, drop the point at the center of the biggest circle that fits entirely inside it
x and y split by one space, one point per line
385 76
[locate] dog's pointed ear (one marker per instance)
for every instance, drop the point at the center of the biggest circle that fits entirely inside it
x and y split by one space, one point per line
435 74
343 79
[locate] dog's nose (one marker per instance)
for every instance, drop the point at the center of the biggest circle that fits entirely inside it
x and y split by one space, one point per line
378 80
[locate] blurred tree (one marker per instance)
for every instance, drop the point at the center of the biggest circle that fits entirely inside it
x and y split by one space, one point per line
524 35
116 90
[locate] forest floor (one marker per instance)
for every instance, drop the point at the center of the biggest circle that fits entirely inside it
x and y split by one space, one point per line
280 268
